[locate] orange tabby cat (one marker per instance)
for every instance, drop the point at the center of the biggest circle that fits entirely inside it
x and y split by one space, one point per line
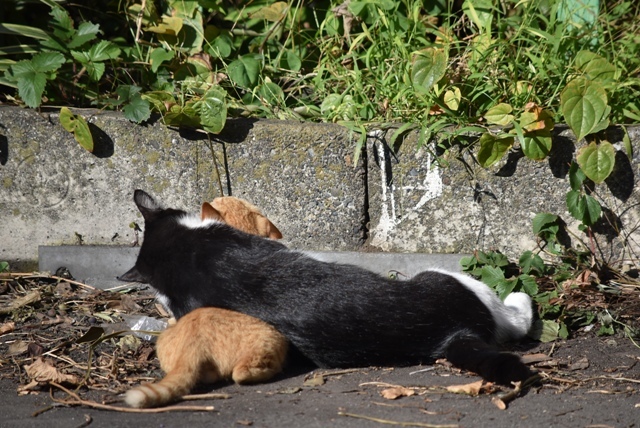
211 344
240 214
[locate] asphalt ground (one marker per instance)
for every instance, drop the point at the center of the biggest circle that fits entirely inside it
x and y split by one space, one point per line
588 381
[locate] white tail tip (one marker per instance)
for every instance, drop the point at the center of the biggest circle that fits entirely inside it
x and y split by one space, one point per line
135 398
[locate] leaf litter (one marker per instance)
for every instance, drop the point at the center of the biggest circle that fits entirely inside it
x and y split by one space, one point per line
55 331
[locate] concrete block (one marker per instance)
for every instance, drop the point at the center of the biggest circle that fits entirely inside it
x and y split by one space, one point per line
418 203
100 265
301 176
53 192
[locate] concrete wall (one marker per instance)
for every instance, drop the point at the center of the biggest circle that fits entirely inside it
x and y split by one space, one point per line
302 176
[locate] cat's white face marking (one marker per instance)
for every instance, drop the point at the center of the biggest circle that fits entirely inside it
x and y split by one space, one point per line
193 221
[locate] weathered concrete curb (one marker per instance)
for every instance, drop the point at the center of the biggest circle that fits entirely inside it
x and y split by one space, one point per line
397 199
99 265
419 206
53 192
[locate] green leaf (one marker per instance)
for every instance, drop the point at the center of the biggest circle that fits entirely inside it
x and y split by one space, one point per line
95 70
86 32
31 75
31 86
428 66
452 98
222 46
435 7
23 30
103 51
583 207
479 11
271 93
498 259
506 287
499 114
545 223
194 69
537 145
584 105
161 100
492 276
47 61
182 116
158 56
191 37
606 330
92 59
493 148
531 262
244 71
137 110
126 92
575 204
596 67
626 141
4 267
592 210
218 42
170 25
61 23
545 330
78 126
576 176
185 8
272 13
357 7
528 284
291 61
330 104
468 263
597 160
213 110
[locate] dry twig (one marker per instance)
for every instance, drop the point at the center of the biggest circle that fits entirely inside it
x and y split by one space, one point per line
390 422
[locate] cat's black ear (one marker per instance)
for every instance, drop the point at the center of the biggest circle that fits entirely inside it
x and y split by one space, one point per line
146 204
134 275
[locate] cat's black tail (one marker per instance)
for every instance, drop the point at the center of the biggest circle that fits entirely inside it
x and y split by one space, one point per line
469 352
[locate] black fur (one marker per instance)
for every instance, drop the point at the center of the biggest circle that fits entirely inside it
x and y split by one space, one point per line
335 315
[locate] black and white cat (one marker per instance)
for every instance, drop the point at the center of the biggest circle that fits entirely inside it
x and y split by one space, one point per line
335 315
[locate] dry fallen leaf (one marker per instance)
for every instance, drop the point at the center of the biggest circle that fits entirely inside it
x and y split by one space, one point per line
27 299
129 342
7 327
64 289
581 364
16 348
129 304
535 358
42 371
469 388
292 390
315 380
396 392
